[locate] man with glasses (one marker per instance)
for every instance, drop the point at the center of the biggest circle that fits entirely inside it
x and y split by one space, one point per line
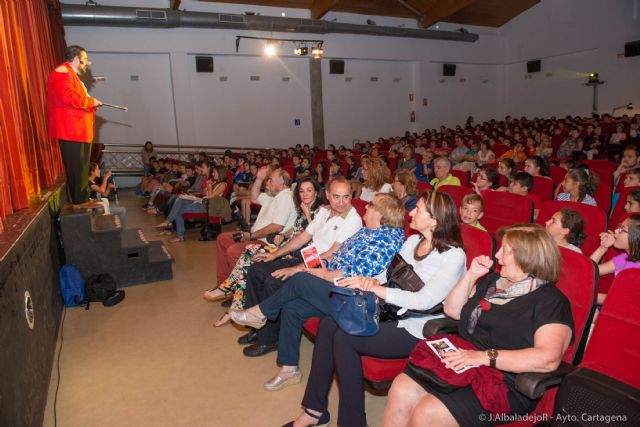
332 225
71 113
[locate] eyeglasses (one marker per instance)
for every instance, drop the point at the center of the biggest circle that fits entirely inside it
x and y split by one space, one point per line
621 229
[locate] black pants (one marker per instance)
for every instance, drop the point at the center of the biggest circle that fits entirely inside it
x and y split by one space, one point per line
260 286
76 157
336 351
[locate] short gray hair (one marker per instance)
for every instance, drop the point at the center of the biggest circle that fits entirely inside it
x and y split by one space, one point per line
443 160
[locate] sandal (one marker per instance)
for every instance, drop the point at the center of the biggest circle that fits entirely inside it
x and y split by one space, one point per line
323 420
212 296
224 320
152 211
163 224
177 240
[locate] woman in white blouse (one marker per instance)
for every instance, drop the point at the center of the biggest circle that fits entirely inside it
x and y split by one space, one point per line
437 257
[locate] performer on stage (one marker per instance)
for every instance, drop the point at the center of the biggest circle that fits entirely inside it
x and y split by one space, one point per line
71 118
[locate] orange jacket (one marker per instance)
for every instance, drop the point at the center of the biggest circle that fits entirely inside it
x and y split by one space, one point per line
70 108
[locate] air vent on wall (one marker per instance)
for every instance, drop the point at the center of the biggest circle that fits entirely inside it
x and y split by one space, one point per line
462 80
348 79
396 79
154 15
254 78
236 19
223 78
374 79
286 79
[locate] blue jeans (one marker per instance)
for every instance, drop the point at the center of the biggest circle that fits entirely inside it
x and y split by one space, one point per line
301 297
183 206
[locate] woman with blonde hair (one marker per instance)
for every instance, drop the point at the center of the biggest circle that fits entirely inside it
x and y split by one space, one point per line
518 311
376 178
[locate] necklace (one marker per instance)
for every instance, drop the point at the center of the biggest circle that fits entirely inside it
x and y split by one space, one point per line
415 252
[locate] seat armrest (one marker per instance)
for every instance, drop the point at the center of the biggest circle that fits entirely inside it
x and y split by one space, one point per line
445 325
534 384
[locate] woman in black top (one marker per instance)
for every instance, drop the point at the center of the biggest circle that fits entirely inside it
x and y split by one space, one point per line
522 324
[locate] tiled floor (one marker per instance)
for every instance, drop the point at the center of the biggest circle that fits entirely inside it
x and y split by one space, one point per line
156 360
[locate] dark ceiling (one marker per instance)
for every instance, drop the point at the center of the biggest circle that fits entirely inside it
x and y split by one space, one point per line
488 13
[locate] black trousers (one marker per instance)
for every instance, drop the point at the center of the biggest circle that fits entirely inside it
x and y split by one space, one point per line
339 352
260 286
76 157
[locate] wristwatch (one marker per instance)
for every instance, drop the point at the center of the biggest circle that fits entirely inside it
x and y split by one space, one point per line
493 355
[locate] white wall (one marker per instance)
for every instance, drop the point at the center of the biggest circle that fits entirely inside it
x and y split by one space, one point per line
364 109
572 38
149 99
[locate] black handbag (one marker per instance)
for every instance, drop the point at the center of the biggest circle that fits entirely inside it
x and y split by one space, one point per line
355 311
400 275
431 379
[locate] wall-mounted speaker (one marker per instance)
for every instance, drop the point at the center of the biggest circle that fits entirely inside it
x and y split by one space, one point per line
448 69
336 66
534 66
632 48
204 64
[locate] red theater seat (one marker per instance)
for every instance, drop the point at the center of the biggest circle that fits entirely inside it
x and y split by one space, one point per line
502 209
456 192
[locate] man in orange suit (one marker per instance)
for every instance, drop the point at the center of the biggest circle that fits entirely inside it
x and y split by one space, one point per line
71 118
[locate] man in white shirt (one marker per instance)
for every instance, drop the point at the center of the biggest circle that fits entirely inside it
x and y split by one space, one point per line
332 225
276 215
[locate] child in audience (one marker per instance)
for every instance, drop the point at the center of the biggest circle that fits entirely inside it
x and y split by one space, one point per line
488 180
626 237
579 186
567 229
521 184
631 180
633 202
537 166
424 171
100 187
506 168
471 211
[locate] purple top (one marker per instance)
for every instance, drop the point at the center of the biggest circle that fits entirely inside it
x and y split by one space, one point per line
620 263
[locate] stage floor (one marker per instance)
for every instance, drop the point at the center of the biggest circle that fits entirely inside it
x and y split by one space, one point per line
156 360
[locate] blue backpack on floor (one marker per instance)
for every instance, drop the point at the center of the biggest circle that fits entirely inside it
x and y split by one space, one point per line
72 286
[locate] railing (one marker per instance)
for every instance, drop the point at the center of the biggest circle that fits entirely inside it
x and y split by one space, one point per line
123 159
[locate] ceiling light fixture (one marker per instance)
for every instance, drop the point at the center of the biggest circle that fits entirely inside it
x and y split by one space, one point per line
303 47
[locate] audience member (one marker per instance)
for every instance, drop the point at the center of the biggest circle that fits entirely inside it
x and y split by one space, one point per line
277 214
308 198
579 186
442 173
306 294
437 257
100 188
626 237
529 323
214 187
471 210
405 188
567 229
488 180
408 160
376 178
424 170
331 226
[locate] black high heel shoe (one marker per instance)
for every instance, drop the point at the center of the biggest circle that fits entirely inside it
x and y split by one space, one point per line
323 419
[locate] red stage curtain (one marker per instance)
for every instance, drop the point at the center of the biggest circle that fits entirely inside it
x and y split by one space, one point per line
31 45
